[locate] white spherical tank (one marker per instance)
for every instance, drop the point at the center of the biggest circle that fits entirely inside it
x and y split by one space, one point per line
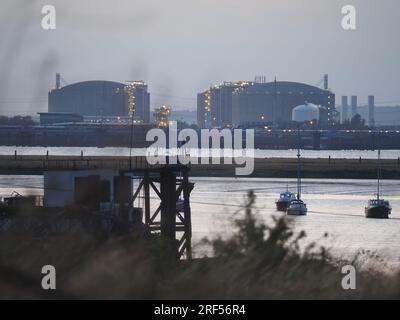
306 112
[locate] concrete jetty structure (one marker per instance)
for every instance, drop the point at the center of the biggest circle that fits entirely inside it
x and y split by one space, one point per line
111 186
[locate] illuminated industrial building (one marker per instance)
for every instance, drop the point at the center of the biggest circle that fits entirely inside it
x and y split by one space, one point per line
101 99
214 106
273 103
161 115
254 103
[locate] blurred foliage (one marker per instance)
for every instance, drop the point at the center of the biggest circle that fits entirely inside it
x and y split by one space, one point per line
257 262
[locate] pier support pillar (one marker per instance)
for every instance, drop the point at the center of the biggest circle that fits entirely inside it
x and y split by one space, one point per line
168 204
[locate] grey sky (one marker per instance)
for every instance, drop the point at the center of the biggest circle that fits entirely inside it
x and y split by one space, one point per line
180 47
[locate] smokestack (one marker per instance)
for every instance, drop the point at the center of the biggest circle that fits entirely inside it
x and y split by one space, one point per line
371 111
354 106
345 108
326 82
58 81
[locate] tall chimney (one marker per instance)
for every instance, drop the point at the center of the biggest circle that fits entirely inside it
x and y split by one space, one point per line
58 81
345 108
371 111
326 82
354 106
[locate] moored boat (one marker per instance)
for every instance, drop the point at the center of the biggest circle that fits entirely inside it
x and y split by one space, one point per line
378 208
285 198
297 207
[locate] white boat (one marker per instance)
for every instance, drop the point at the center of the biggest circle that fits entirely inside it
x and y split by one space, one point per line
297 208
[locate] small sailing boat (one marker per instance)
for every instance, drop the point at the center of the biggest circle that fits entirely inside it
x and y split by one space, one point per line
378 208
297 207
285 198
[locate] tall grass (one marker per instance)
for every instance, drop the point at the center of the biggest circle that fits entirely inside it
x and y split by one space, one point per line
257 262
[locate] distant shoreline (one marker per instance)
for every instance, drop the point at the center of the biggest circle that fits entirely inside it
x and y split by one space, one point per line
310 168
263 168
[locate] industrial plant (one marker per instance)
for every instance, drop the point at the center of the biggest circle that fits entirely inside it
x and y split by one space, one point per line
116 114
101 99
246 103
368 114
161 116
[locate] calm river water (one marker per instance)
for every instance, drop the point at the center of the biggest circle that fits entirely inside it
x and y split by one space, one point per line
335 206
342 154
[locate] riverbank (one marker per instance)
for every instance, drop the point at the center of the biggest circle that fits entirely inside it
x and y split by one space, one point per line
310 168
263 167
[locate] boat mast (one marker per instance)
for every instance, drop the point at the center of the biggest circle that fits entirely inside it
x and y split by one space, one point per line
379 172
379 166
298 168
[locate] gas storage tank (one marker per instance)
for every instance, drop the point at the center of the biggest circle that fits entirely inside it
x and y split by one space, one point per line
305 112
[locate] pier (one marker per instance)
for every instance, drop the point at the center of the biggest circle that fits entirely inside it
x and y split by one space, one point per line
163 191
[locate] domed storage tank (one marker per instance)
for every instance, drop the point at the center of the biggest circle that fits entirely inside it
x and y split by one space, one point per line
306 112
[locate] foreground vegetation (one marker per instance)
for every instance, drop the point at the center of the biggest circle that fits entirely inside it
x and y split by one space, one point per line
257 262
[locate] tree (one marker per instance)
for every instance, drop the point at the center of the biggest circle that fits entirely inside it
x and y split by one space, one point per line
357 122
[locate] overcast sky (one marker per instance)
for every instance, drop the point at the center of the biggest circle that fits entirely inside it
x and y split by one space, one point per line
180 47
